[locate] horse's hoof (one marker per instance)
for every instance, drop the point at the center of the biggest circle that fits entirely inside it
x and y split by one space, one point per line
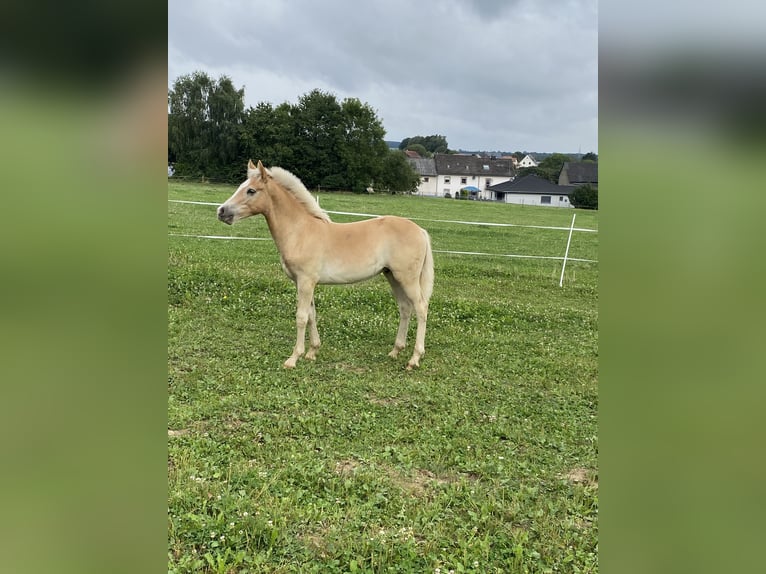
289 364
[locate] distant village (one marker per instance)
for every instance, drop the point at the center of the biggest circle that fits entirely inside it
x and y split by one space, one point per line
485 176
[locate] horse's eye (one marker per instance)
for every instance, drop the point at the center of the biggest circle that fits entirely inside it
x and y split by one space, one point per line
250 191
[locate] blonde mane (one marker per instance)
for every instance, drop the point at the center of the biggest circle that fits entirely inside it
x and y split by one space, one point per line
295 186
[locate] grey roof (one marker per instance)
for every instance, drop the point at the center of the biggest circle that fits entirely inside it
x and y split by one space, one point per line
452 164
424 166
581 171
532 184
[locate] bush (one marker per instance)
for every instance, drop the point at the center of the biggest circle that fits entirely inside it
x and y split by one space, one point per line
584 197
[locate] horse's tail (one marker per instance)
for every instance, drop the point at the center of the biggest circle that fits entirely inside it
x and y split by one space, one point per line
427 271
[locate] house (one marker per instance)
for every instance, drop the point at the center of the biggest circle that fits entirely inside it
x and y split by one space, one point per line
411 153
528 161
426 169
455 172
513 159
532 190
579 173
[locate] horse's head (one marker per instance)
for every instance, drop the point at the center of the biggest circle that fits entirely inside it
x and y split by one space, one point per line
251 197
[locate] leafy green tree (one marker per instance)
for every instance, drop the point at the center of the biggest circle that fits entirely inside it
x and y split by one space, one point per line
397 174
585 197
590 156
552 165
318 130
539 172
362 149
433 144
204 122
267 134
420 148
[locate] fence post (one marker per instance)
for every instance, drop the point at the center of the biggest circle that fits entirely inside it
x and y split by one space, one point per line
566 253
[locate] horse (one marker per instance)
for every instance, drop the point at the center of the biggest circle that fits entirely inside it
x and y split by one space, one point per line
315 250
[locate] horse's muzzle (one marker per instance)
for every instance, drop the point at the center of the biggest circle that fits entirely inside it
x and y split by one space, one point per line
225 216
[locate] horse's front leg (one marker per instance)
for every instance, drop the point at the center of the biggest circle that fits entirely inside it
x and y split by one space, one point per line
305 296
314 341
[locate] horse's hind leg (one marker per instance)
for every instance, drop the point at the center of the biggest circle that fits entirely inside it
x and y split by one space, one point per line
405 312
314 342
412 292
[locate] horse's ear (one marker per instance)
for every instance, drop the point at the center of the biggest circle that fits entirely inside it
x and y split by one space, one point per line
250 165
263 170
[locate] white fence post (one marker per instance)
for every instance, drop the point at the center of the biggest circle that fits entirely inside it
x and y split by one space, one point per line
566 253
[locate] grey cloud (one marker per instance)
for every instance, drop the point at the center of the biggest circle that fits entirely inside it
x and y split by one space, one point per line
477 71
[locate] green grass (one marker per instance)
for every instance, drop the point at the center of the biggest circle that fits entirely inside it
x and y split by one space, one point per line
482 460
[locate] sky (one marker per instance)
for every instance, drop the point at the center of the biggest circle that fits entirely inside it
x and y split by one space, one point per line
489 75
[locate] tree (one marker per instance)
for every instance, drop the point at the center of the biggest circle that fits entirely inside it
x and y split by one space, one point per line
362 149
318 127
433 144
590 156
397 174
267 134
552 165
204 121
539 172
585 197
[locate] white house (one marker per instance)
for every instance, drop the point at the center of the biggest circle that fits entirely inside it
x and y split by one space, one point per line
445 175
473 173
533 190
528 161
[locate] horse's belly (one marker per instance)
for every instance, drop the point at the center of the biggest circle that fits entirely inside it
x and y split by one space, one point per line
334 274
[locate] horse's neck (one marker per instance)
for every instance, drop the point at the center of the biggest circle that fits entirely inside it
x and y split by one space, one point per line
285 216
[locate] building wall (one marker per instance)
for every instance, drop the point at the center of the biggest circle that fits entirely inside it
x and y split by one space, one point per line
427 187
536 199
453 184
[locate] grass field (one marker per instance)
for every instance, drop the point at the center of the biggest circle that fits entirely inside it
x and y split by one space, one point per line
482 460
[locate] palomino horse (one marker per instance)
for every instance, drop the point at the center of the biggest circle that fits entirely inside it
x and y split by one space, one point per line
315 250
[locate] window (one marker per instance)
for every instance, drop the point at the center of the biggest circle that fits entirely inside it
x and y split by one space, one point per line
463 180
561 198
487 182
446 191
425 180
545 199
446 179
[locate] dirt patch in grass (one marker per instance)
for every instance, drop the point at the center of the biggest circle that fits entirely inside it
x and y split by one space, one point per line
386 402
583 476
316 541
352 368
418 482
347 467
178 432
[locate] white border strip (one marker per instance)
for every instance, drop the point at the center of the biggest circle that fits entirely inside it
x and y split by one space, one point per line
424 219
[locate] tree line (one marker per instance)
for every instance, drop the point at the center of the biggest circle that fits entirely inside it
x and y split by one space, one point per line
327 143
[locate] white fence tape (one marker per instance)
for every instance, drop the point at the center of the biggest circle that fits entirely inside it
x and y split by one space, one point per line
424 219
478 253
